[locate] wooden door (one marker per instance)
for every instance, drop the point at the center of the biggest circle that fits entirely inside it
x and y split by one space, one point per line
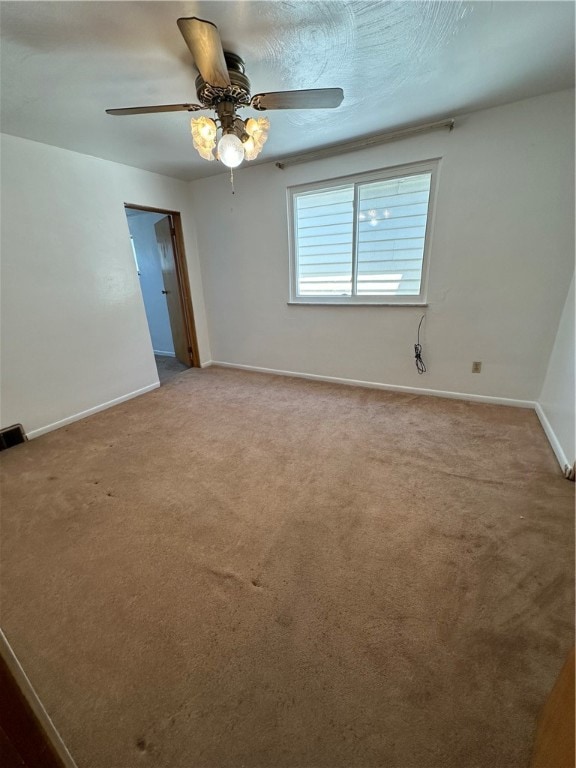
164 237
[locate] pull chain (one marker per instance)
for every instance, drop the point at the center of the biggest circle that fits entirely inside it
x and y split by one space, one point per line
232 180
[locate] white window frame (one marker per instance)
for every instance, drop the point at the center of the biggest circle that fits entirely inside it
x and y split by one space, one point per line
398 171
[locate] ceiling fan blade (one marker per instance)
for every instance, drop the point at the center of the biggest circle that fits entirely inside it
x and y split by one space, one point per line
161 108
316 98
203 39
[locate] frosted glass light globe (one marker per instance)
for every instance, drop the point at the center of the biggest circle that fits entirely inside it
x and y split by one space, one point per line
230 150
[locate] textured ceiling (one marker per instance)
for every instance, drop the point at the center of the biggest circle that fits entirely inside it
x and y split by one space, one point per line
64 63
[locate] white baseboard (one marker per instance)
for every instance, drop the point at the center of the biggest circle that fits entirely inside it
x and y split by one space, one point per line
82 415
389 387
160 353
552 439
547 427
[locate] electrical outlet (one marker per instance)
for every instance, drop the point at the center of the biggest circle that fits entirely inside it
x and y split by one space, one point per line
476 367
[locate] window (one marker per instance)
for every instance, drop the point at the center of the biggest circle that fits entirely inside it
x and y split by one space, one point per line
363 239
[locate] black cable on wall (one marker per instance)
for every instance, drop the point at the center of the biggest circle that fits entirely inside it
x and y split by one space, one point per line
420 367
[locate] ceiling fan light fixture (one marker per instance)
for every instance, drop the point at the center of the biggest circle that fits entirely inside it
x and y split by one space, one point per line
257 129
223 87
230 150
203 131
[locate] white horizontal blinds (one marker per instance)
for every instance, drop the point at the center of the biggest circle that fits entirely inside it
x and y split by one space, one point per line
391 232
324 223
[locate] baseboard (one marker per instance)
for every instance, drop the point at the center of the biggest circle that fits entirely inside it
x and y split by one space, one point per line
552 439
546 426
160 353
388 387
82 415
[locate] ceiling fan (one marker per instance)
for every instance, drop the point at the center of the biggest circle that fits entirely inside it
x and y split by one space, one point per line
222 86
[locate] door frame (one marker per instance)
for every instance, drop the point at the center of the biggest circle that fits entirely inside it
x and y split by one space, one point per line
182 277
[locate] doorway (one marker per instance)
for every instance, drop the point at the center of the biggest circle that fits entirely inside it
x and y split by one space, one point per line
158 248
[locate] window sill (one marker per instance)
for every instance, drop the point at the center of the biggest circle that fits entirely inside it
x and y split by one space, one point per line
356 304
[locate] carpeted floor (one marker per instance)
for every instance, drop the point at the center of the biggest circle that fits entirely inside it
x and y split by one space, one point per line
168 367
240 570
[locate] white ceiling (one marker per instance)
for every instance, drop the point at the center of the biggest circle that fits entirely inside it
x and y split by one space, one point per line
399 62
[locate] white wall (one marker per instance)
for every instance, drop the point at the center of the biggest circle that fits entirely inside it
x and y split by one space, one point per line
556 403
141 226
501 260
74 333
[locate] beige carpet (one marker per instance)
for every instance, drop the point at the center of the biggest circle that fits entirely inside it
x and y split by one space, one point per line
240 571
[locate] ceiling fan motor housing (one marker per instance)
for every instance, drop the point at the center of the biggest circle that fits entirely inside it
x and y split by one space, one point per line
238 92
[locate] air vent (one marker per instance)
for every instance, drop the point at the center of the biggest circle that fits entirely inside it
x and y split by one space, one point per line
12 436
